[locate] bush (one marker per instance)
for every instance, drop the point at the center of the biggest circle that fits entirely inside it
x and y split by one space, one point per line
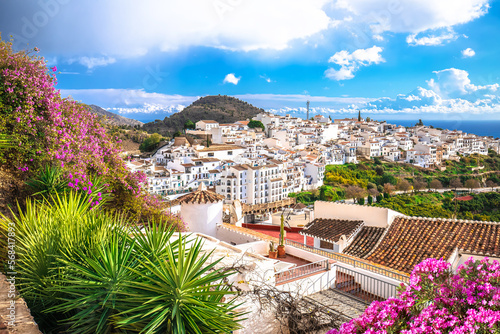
370 200
361 201
437 301
82 270
48 130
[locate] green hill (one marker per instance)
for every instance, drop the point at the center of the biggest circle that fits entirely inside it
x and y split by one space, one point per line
220 108
111 118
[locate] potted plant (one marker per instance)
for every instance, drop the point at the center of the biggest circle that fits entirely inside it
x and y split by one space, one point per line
273 254
281 247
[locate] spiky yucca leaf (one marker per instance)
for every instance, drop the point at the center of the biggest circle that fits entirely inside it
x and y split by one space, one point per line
181 293
48 230
49 181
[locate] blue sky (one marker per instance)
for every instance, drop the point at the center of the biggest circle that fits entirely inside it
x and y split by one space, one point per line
393 58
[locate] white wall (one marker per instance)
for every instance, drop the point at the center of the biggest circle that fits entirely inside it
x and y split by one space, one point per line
372 216
231 236
303 254
202 218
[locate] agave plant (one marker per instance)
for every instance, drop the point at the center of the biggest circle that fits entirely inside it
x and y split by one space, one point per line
49 181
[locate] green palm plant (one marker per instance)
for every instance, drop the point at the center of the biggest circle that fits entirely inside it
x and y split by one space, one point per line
82 270
47 231
181 293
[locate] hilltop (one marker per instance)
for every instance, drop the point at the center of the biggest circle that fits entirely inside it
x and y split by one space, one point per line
113 119
220 108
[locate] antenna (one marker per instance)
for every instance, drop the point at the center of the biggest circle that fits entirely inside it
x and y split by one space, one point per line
307 110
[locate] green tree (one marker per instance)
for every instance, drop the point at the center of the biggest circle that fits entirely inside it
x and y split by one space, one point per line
359 115
370 200
256 124
189 125
177 134
150 143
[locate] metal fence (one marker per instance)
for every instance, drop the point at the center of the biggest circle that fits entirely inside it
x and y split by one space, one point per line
351 261
301 271
364 287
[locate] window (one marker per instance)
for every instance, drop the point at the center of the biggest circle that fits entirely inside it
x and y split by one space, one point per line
211 154
229 152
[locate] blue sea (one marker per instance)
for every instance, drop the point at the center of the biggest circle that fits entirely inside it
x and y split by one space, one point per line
480 128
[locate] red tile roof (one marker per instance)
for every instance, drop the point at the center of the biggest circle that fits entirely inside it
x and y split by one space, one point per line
410 240
331 229
201 197
364 241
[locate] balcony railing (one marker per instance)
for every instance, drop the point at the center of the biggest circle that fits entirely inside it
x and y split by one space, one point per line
352 261
301 271
361 286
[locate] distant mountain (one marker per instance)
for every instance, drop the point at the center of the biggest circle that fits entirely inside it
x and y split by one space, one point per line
220 108
113 119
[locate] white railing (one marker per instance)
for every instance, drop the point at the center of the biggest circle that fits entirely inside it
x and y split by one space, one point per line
301 271
352 261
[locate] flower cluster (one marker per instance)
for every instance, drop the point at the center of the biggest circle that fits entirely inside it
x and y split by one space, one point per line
438 301
48 129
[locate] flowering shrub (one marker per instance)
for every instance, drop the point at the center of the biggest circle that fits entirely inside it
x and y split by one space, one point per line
438 301
50 130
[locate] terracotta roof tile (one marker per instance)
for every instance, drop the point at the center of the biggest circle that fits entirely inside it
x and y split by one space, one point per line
411 240
331 229
364 241
201 196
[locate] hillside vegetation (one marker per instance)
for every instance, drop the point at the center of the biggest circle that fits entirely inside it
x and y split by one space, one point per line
111 118
220 108
484 206
374 179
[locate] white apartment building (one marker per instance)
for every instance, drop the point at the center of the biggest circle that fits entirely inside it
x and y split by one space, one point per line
206 125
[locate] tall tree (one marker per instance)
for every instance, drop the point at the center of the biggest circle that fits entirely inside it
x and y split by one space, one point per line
189 125
403 185
456 183
436 184
472 184
359 115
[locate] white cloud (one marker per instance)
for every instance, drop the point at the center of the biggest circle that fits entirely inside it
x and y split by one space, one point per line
134 28
432 40
467 53
265 77
92 62
451 92
130 100
442 97
231 78
455 83
413 16
351 62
